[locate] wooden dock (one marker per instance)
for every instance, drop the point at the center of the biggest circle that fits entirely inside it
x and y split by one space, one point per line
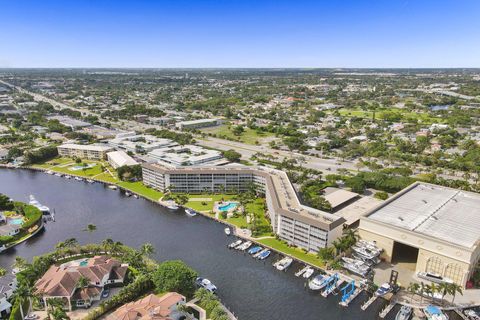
386 310
369 302
461 314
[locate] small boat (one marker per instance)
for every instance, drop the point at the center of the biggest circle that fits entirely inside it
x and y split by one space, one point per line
283 264
370 245
301 271
244 246
256 255
433 277
227 231
356 266
318 282
383 290
255 250
206 284
471 314
58 175
67 177
370 262
235 244
434 313
308 273
78 179
112 187
135 196
264 255
170 204
50 172
365 252
404 313
90 181
189 212
128 194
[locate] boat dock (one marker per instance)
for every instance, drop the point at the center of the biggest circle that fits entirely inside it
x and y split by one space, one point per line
345 302
461 314
368 303
386 310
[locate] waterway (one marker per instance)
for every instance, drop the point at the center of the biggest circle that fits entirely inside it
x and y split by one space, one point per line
251 289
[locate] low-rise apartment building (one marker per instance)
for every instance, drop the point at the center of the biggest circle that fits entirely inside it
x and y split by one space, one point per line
195 124
299 225
90 151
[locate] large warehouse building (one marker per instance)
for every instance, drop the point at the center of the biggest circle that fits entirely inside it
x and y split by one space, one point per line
436 227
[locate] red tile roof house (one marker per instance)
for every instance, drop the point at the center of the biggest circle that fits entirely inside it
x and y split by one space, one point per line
63 281
151 307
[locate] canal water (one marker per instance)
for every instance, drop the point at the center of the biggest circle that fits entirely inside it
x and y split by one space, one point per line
251 289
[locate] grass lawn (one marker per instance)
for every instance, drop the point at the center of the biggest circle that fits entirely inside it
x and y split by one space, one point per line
248 136
294 252
407 116
208 206
63 165
141 189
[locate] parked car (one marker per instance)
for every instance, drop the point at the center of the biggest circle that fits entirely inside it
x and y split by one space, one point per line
105 293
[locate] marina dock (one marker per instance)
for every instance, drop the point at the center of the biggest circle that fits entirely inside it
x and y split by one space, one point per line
350 298
369 302
386 310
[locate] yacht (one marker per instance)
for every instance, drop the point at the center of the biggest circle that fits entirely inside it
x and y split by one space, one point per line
433 277
369 245
255 250
78 179
434 313
383 290
235 244
365 252
283 264
227 231
404 313
318 282
190 212
356 266
170 204
264 255
206 284
135 196
44 209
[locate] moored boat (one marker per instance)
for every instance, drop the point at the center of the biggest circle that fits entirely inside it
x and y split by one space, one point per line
227 231
301 271
264 255
308 273
255 249
244 246
235 243
44 209
434 313
190 212
404 313
383 290
318 282
283 264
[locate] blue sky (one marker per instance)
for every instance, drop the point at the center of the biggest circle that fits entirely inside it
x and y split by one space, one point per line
240 33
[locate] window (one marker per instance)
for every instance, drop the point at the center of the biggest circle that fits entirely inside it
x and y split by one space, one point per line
455 272
434 265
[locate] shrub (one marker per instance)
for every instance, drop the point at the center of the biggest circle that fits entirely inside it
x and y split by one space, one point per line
382 195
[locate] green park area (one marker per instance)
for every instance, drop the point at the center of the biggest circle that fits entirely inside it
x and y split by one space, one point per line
294 252
204 202
85 168
248 135
392 114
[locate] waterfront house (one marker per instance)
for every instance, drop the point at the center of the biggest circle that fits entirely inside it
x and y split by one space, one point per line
63 281
8 285
151 307
9 230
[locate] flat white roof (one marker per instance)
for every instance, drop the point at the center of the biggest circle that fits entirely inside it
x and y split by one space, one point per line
340 196
435 211
93 147
121 158
197 121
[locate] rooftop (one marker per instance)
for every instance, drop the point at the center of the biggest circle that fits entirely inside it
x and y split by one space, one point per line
93 147
447 214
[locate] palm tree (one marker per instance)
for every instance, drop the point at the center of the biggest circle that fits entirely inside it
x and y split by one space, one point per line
19 295
107 244
91 227
444 288
455 288
413 287
184 309
147 249
20 263
422 290
82 282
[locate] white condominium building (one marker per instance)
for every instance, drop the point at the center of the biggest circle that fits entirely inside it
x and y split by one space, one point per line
299 225
89 151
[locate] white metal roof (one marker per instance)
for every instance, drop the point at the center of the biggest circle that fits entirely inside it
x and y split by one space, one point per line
439 212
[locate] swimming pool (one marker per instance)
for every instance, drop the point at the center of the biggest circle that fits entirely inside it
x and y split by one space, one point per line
227 207
16 221
76 168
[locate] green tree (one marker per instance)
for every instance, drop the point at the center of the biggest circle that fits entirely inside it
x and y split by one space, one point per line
232 155
175 275
147 249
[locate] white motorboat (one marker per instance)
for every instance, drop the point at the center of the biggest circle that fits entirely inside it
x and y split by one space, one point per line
190 212
301 271
50 172
206 284
78 179
244 246
112 187
90 181
170 204
472 314
58 174
67 177
371 245
308 273
318 282
404 313
370 262
256 255
383 290
227 231
128 194
44 209
434 313
135 196
367 253
433 277
355 266
283 264
235 244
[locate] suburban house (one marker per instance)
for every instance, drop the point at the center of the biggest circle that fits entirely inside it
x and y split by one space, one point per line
64 281
9 229
151 307
8 284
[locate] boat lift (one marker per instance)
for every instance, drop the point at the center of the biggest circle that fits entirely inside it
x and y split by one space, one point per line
332 283
349 292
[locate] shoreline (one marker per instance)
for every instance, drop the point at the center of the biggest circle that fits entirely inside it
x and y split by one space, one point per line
244 237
